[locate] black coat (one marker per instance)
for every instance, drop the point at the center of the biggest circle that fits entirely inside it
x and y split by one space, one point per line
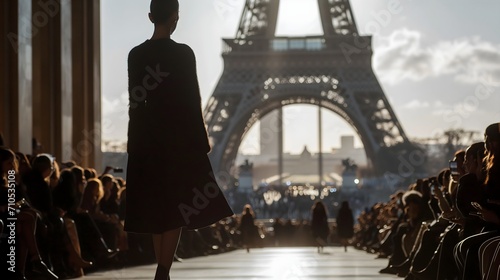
345 223
319 224
170 182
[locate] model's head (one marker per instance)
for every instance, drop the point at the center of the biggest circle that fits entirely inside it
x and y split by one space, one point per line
165 12
247 209
345 204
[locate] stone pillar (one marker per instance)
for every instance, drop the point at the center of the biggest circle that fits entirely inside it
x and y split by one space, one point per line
16 78
320 145
65 132
50 82
86 148
52 90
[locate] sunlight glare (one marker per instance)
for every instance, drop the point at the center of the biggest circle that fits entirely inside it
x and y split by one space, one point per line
286 266
299 18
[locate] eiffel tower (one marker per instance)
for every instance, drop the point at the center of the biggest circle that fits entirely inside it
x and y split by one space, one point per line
263 72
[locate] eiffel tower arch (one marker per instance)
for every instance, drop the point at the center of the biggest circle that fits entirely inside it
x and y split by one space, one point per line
263 72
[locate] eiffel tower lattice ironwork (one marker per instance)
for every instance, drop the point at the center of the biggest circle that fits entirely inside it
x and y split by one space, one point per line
263 72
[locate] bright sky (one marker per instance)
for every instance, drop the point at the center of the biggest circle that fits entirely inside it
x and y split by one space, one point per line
437 61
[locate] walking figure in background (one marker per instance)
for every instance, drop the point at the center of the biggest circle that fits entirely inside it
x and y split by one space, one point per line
170 182
247 227
345 224
319 225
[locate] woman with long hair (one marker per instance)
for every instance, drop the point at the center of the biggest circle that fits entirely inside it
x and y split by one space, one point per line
319 225
345 224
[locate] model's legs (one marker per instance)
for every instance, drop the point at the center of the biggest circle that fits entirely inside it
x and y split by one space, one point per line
157 246
165 245
345 242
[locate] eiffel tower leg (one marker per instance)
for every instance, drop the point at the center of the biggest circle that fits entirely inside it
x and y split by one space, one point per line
280 147
320 145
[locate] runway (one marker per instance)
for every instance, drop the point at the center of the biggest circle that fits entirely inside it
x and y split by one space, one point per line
302 263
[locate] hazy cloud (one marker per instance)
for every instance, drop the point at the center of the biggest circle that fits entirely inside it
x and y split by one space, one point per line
115 113
416 104
402 56
113 105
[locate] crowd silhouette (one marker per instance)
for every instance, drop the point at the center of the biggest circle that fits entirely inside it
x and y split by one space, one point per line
70 221
443 227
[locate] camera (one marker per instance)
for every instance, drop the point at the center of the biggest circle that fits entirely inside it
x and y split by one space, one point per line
454 168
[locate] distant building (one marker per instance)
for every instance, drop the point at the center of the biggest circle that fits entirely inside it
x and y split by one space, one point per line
255 169
304 164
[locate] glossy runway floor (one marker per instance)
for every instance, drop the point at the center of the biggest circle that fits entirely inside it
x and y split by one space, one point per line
267 263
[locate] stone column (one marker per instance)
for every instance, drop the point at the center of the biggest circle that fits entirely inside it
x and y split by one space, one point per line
16 80
52 90
50 82
86 147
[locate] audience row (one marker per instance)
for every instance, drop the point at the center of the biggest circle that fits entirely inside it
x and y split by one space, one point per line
444 227
70 220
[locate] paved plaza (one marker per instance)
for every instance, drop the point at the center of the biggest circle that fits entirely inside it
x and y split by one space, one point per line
267 263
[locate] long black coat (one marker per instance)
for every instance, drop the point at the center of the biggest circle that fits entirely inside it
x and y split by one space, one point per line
170 182
345 223
319 224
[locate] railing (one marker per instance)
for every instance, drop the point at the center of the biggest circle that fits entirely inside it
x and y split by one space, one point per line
278 44
308 44
284 44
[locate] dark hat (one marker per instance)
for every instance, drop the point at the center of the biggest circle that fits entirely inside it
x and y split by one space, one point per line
493 132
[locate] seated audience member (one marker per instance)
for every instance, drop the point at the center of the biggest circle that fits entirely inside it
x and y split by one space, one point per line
39 193
24 164
81 181
109 225
66 192
54 177
408 231
462 225
470 189
467 251
88 173
109 203
66 201
121 182
28 253
92 243
37 187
